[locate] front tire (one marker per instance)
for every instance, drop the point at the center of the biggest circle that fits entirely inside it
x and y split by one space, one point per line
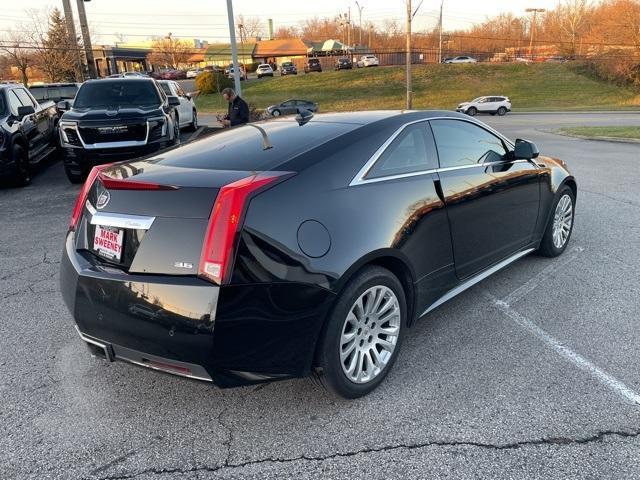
362 337
23 168
558 232
276 113
472 111
194 121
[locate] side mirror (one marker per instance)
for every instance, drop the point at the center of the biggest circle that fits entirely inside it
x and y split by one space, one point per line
173 101
63 105
525 150
24 111
187 96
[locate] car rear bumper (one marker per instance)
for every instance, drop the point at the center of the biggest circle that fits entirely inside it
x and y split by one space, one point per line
232 335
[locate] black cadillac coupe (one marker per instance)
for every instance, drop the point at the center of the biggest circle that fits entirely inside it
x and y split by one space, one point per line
297 246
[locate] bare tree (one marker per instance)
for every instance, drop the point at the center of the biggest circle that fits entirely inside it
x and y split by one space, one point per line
249 27
170 52
16 47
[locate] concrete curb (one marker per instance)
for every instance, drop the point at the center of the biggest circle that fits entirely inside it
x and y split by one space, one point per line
598 139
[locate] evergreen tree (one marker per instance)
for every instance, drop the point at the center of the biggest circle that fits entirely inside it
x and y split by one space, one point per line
58 57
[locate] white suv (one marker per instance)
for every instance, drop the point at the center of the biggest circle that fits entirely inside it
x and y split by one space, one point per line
368 61
492 105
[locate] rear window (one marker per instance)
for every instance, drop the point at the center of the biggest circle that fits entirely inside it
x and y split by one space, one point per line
68 91
117 93
39 93
313 61
242 148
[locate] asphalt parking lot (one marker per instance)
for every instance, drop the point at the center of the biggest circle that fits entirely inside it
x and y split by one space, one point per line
533 373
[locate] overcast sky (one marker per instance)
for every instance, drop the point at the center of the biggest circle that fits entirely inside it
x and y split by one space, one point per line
206 19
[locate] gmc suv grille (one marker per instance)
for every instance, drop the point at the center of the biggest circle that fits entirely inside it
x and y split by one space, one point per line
115 133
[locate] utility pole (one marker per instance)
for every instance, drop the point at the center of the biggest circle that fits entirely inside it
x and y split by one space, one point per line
234 49
408 56
360 8
440 34
73 39
86 40
349 28
370 32
535 11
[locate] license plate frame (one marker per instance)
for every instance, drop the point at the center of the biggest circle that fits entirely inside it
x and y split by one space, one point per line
108 242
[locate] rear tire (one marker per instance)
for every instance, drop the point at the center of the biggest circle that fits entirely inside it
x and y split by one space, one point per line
23 168
472 111
502 111
194 122
74 177
363 333
558 232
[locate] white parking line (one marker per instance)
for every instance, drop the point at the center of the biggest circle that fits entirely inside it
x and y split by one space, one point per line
542 275
584 364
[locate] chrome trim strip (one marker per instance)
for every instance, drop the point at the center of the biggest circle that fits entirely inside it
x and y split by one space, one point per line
117 352
121 220
476 279
360 179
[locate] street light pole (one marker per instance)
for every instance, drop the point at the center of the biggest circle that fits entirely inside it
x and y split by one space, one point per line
73 40
440 34
360 8
86 40
535 11
408 56
234 49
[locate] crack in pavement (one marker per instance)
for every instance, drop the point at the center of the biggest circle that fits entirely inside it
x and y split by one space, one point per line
553 441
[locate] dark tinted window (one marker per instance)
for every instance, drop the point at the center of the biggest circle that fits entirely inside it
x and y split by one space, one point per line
39 93
241 148
463 143
117 93
313 61
3 107
68 91
411 151
166 88
14 103
24 97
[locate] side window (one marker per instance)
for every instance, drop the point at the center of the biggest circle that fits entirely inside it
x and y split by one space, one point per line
411 151
24 97
14 102
179 90
290 103
462 143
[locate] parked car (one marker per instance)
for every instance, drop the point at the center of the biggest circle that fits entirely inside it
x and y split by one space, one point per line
368 61
289 107
186 112
128 75
344 64
27 132
461 59
214 68
194 72
54 91
288 68
500 105
312 65
264 70
116 119
253 250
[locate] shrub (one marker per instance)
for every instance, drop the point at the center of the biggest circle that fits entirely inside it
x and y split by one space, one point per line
618 66
212 82
251 67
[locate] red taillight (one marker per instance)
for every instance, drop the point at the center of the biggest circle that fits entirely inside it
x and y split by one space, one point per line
126 184
82 196
225 222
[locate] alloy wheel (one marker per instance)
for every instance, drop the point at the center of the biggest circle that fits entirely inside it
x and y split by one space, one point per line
562 221
370 334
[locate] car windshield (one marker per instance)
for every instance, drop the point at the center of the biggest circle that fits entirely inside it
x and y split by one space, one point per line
477 99
68 91
114 94
287 64
314 61
39 93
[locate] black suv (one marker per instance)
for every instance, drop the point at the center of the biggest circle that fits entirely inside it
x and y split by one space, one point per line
312 65
344 64
27 132
288 68
115 119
